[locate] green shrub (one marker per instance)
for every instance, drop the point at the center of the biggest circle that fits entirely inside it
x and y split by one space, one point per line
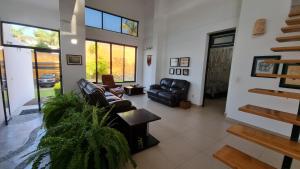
80 138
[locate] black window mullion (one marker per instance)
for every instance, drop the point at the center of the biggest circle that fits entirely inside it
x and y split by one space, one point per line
110 59
96 55
102 20
124 63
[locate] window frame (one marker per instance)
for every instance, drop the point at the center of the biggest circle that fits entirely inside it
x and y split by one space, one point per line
29 47
110 44
121 17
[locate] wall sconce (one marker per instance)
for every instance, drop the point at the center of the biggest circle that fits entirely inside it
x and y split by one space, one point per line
1 47
74 41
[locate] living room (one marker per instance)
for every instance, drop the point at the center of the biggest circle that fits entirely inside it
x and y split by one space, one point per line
149 61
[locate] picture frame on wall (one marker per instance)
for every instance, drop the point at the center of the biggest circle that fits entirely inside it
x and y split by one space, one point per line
290 69
174 62
259 65
184 62
74 59
178 71
185 72
171 71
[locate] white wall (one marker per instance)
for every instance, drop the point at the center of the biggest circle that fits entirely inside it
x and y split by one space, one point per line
19 73
134 9
187 25
31 12
245 49
72 73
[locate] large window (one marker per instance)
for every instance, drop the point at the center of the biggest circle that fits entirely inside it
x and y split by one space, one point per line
28 36
107 58
110 22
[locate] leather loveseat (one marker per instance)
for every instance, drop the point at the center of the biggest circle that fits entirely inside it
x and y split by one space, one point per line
98 96
169 92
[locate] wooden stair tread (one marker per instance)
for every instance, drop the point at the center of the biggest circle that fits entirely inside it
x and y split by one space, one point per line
272 114
239 160
291 28
286 49
295 11
288 38
278 76
282 61
271 141
292 21
290 95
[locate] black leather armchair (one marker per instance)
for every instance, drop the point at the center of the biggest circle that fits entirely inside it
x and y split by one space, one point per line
98 96
169 91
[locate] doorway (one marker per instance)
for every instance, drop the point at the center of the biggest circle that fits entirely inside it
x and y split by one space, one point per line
30 68
218 67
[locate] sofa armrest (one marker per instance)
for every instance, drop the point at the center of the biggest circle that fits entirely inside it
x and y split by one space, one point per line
155 86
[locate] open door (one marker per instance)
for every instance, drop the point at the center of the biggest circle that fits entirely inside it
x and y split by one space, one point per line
4 88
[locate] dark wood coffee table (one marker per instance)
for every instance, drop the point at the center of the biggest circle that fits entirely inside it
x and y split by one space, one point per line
134 90
136 130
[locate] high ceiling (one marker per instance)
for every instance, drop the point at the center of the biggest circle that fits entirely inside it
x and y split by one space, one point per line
44 4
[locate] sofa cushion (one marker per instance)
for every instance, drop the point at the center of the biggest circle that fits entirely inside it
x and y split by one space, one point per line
112 98
179 85
166 83
154 91
166 95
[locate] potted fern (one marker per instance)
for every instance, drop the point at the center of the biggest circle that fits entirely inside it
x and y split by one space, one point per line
81 139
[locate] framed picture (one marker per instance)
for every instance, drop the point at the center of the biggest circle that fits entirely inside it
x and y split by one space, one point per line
259 66
184 62
174 62
290 69
171 71
185 72
178 71
74 59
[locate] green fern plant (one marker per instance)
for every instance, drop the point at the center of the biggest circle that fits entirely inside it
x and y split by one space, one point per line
81 139
60 106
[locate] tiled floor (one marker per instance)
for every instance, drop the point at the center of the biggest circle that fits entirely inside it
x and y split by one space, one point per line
188 138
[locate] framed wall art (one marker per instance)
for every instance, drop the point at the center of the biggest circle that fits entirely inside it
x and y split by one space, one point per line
178 71
174 62
185 72
259 66
290 69
74 59
171 71
184 62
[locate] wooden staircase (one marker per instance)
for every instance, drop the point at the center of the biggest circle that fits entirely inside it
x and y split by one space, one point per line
290 148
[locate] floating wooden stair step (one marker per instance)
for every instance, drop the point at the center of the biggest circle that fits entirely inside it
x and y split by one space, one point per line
239 160
295 11
274 142
291 28
290 95
286 49
282 61
272 114
288 38
293 21
278 76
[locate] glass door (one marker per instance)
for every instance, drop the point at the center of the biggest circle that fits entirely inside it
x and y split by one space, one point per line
4 89
47 75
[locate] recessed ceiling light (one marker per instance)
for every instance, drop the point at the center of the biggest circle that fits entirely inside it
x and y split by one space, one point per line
74 41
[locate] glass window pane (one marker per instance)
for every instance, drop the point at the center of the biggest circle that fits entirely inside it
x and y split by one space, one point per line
93 18
117 62
129 27
129 74
20 35
103 59
111 22
90 48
